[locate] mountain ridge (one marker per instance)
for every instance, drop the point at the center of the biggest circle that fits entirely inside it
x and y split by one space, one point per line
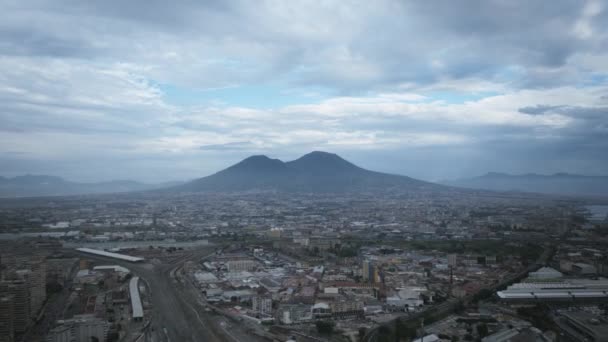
559 183
316 171
33 185
532 174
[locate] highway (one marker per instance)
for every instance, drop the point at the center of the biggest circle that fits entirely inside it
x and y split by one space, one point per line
177 314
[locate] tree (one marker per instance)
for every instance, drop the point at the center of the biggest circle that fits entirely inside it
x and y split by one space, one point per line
459 307
384 333
362 332
482 294
482 330
402 331
325 327
113 336
53 287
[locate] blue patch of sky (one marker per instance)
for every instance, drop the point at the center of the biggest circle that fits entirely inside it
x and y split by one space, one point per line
262 96
276 95
596 80
451 97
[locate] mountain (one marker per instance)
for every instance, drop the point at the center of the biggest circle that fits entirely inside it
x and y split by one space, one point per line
43 185
313 172
559 183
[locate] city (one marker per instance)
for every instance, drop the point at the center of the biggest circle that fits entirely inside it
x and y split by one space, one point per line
304 171
249 267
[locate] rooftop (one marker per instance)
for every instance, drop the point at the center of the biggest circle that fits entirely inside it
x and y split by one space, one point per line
110 254
138 310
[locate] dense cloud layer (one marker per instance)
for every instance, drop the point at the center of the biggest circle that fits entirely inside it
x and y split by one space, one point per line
142 89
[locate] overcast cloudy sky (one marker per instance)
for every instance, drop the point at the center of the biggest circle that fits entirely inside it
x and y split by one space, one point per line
158 90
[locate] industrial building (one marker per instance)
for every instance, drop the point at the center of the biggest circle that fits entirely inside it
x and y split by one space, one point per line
262 305
240 265
19 291
564 290
136 306
35 277
517 334
79 328
112 268
6 319
545 273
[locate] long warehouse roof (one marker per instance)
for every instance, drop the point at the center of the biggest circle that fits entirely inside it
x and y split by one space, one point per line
138 310
552 294
110 254
565 289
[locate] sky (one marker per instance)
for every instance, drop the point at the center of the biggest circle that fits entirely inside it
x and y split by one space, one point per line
158 91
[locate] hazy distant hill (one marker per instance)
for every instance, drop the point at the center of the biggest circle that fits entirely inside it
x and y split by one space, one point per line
314 172
559 183
43 185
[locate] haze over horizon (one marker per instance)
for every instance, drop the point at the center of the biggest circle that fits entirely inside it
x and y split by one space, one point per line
488 174
107 90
